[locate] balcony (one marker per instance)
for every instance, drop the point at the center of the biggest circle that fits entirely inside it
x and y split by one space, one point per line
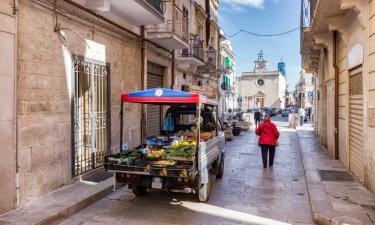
174 32
211 57
136 12
204 90
190 58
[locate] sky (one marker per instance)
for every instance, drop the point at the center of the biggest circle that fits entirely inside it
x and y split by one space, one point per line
264 17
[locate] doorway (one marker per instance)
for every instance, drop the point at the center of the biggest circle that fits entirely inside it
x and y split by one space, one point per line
155 76
90 117
356 150
259 102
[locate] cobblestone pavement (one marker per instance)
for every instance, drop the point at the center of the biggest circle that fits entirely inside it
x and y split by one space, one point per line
247 194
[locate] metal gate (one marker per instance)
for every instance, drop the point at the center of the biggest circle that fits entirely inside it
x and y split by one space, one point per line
356 123
155 74
90 117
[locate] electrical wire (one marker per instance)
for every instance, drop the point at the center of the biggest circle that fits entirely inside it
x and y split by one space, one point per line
242 30
262 35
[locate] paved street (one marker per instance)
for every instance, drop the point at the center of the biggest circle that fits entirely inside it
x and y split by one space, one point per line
248 194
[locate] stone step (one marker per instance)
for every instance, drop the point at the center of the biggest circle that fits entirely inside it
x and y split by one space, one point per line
58 205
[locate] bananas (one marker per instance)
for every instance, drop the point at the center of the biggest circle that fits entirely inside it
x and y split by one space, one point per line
163 172
183 143
156 154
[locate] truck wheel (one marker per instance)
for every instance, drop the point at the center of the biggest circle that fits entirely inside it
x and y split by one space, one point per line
204 192
139 190
220 171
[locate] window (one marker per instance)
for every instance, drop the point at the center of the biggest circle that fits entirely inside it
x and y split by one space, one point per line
260 82
355 82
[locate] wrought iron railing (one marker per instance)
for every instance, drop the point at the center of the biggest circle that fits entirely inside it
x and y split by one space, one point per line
307 13
308 8
211 56
195 50
156 4
177 22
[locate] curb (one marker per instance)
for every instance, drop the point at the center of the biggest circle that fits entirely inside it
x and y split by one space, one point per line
315 217
318 217
69 211
56 206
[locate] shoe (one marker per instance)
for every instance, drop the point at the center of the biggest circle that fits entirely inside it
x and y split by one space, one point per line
271 165
264 167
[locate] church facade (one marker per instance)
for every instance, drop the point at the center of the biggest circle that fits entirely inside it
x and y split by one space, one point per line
261 87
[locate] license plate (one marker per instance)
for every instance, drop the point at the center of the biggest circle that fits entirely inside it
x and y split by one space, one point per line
157 183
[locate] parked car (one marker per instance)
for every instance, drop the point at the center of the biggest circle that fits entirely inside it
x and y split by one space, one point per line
252 110
266 110
285 112
274 111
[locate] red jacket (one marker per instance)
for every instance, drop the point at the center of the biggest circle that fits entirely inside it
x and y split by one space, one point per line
268 133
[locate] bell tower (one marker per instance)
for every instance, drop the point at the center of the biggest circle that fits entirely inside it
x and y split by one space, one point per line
260 64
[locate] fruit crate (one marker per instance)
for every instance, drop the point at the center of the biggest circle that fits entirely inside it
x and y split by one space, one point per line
148 167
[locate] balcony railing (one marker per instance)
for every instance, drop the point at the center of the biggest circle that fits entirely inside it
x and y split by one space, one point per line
195 50
307 13
211 55
156 4
176 22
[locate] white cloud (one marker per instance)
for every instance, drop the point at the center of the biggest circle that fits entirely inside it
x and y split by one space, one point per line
259 4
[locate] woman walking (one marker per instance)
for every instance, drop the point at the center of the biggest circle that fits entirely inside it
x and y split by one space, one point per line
268 139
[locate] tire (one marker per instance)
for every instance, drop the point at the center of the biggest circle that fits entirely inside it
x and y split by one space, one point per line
139 190
220 170
204 192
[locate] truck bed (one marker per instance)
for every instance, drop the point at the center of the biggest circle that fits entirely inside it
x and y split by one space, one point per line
182 168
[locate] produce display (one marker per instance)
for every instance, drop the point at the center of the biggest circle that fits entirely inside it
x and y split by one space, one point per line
156 154
162 156
181 149
124 158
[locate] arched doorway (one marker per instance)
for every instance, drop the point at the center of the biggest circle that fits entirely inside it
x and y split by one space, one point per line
259 99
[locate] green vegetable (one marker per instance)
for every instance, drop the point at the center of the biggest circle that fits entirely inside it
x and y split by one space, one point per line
186 151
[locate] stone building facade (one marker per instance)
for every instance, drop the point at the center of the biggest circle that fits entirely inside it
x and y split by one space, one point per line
227 88
63 67
337 47
197 67
305 91
261 88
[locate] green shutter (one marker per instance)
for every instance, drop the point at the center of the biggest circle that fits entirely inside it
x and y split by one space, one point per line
228 63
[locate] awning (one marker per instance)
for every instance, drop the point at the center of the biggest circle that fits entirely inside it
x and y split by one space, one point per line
163 96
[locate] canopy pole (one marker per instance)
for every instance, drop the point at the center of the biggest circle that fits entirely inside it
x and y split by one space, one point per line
198 128
121 123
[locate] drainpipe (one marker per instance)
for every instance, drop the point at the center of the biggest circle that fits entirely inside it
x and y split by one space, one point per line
173 66
208 25
173 51
143 59
336 94
17 184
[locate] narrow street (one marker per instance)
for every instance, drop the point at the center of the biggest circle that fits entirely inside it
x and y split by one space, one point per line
248 194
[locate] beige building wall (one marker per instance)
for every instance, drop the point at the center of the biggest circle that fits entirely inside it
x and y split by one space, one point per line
44 107
271 89
370 129
8 48
343 85
353 29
